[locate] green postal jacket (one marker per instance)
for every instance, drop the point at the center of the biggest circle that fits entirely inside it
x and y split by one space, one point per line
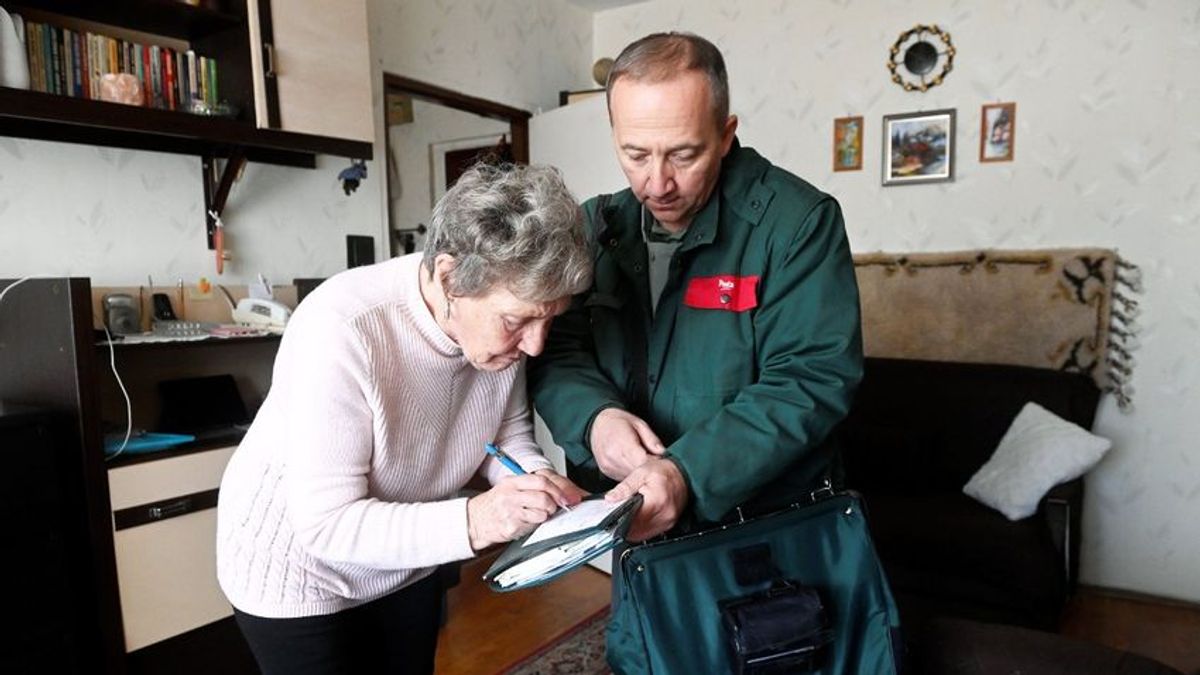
754 354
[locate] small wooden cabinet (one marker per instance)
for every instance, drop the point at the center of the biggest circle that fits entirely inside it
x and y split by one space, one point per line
311 66
141 532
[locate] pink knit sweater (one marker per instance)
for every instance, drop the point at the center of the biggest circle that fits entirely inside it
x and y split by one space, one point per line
344 489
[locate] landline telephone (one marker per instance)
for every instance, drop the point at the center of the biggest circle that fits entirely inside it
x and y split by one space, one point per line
261 313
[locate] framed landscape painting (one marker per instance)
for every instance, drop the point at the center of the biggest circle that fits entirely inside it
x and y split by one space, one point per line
918 147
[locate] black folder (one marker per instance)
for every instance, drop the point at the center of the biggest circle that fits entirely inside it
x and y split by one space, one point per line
523 566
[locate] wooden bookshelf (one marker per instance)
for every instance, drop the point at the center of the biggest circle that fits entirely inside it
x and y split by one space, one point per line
32 114
220 30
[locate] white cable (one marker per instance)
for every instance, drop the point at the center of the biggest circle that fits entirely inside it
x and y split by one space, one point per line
112 360
18 282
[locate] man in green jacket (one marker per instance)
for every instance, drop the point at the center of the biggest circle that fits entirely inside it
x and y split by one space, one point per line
720 341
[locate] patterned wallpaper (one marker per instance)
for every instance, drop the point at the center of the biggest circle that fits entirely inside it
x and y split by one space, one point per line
119 215
516 52
1107 154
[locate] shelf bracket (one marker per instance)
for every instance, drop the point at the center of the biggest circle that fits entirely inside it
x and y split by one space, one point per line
217 186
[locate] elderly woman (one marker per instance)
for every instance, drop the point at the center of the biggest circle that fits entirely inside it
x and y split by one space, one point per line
341 501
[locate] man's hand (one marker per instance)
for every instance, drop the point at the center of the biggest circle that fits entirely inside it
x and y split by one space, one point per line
621 442
514 507
664 496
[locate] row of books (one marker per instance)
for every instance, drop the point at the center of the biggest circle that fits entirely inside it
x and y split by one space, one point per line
71 63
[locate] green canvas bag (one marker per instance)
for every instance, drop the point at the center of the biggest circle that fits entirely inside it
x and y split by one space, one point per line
680 605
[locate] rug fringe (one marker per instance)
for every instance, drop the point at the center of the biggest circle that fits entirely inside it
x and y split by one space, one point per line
1123 330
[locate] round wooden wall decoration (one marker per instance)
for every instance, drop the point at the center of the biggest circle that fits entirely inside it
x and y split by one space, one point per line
921 58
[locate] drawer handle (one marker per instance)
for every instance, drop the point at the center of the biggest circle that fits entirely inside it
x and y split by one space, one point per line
269 58
171 509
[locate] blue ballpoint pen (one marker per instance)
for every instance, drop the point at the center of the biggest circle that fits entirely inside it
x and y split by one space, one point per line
509 462
504 459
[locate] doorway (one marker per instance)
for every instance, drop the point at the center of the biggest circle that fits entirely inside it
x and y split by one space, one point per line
432 135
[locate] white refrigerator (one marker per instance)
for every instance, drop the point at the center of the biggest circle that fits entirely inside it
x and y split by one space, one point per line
576 139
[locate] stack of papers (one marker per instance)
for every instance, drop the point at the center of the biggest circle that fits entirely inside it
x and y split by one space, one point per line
562 543
586 514
546 563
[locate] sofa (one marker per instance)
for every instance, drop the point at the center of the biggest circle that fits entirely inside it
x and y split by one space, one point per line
916 433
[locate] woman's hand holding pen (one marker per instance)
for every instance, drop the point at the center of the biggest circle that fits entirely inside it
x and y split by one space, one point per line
514 506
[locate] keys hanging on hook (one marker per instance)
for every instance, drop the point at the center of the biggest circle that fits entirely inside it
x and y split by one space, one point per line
219 241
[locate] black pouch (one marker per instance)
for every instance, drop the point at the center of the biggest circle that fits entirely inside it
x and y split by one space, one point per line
780 630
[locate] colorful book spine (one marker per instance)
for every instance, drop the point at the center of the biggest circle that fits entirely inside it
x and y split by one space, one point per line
203 67
114 55
193 78
77 67
156 75
147 78
65 54
97 63
48 57
180 81
34 54
168 57
61 61
213 87
52 49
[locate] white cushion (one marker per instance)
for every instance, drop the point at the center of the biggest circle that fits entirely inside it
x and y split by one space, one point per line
1039 450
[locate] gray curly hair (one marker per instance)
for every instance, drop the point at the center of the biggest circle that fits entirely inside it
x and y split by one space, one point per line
516 226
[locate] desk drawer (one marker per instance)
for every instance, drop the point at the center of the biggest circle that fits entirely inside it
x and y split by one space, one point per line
165 540
167 573
150 482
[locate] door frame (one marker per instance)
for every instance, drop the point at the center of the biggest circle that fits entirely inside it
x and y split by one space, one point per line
518 122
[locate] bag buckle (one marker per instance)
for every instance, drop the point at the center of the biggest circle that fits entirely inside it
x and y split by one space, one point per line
823 492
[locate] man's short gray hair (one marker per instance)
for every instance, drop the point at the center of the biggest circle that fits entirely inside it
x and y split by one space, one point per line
512 226
659 57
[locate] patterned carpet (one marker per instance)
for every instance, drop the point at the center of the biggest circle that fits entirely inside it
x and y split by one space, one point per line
579 652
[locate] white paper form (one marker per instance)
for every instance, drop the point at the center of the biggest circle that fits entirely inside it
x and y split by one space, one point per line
583 515
552 560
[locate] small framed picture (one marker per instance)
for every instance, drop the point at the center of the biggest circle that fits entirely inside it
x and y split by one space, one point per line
918 147
997 132
847 143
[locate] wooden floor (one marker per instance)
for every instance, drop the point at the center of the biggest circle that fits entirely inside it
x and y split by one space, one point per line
487 631
1168 632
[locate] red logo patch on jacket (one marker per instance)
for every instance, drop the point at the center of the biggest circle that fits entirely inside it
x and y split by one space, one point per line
724 291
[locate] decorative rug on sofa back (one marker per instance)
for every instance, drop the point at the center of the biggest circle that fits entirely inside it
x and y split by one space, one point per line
1064 309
